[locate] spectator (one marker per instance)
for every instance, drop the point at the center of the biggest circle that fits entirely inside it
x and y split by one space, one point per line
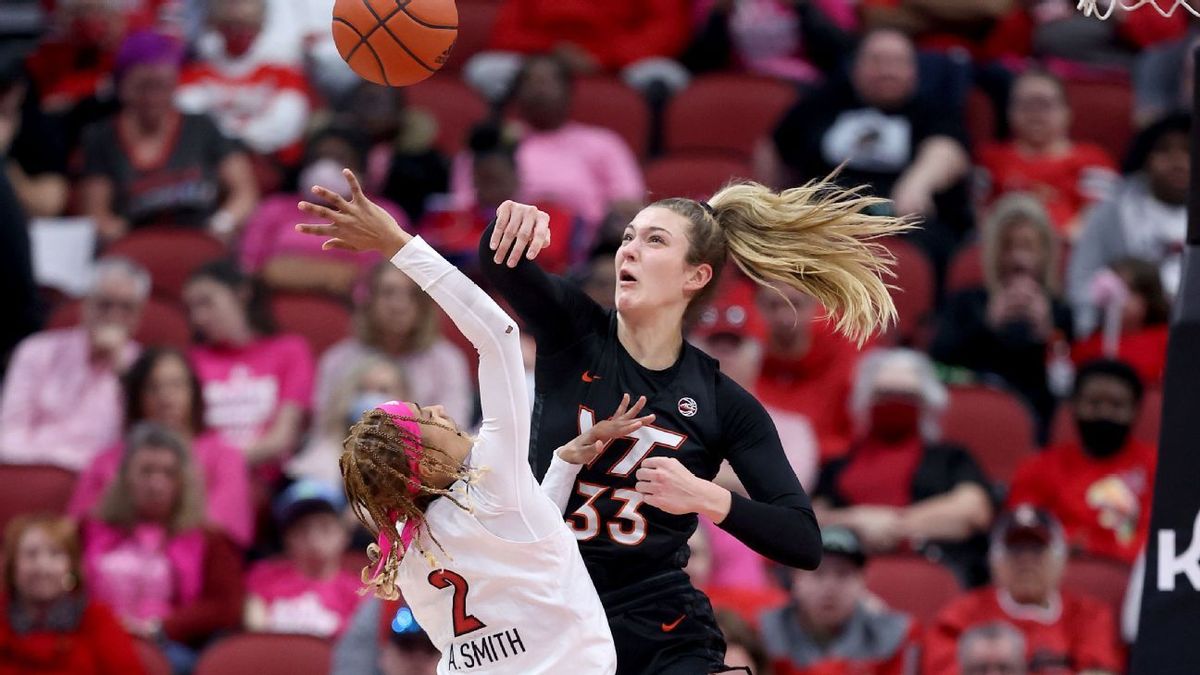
731 330
807 366
992 649
253 95
796 41
1136 314
363 384
1062 631
307 591
402 163
1007 329
272 249
585 168
1162 79
75 62
743 648
162 387
167 578
1099 486
597 275
938 24
398 320
50 625
150 164
62 400
35 158
1042 159
383 638
257 383
20 306
899 486
830 626
495 179
639 38
1146 217
907 147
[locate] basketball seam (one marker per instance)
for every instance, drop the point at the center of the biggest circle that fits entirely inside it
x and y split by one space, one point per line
362 39
383 23
423 22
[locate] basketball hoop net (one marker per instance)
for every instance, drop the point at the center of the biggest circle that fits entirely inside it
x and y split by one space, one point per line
1093 7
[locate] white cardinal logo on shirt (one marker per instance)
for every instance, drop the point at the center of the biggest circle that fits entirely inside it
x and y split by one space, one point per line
688 407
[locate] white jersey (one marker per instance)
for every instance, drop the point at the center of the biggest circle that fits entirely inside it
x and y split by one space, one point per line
508 592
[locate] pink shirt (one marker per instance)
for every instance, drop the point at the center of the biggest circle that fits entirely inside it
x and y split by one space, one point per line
296 603
58 406
585 168
143 573
733 564
245 386
226 485
271 232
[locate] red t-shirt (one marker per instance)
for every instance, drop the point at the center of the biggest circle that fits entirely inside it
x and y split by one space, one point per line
1145 350
1104 504
98 646
816 385
1065 184
899 663
1081 634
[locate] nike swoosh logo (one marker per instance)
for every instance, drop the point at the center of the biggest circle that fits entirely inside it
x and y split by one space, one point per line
589 377
668 627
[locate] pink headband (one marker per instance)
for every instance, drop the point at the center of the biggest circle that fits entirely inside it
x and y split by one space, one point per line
403 417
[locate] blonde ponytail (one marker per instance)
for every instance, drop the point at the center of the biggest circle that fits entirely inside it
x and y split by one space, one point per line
817 238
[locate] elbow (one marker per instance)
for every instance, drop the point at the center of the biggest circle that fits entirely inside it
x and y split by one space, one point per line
807 550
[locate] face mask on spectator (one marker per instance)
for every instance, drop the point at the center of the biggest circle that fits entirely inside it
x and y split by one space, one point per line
238 39
364 402
1102 437
895 416
324 172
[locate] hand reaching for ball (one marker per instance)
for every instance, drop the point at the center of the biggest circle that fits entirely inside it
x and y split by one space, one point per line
358 224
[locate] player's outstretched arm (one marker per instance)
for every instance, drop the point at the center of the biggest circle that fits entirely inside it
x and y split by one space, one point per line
358 224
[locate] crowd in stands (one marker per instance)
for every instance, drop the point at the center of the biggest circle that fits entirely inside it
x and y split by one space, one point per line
983 471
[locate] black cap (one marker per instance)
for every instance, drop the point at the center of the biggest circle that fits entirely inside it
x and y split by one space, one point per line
838 540
306 497
1027 524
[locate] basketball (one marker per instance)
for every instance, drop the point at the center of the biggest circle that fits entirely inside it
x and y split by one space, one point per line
395 42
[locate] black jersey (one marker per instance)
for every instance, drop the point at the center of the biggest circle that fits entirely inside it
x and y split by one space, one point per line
701 418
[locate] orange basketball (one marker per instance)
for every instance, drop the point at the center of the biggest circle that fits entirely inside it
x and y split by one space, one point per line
395 42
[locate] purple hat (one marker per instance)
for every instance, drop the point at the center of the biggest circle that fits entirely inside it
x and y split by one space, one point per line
146 47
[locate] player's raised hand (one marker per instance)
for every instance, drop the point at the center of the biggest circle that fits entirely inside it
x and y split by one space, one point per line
357 224
587 446
520 229
669 486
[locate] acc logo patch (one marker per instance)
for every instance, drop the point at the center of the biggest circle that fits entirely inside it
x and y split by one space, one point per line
688 407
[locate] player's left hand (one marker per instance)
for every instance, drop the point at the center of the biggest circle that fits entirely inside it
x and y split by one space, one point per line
670 487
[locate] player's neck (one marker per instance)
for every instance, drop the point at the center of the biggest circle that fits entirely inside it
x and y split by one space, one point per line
653 340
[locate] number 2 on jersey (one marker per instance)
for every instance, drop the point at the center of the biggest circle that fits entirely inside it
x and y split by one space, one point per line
463 623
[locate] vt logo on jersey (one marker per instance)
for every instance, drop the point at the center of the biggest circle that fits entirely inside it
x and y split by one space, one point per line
628 526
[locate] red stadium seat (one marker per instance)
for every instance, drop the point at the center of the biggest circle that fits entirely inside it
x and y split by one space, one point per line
455 105
266 654
1103 580
1145 429
981 117
993 425
725 113
912 584
913 292
475 21
170 254
966 268
1103 113
608 102
163 322
322 320
152 658
33 488
692 176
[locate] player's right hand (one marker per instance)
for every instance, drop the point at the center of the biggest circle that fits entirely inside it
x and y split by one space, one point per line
587 446
520 229
356 224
